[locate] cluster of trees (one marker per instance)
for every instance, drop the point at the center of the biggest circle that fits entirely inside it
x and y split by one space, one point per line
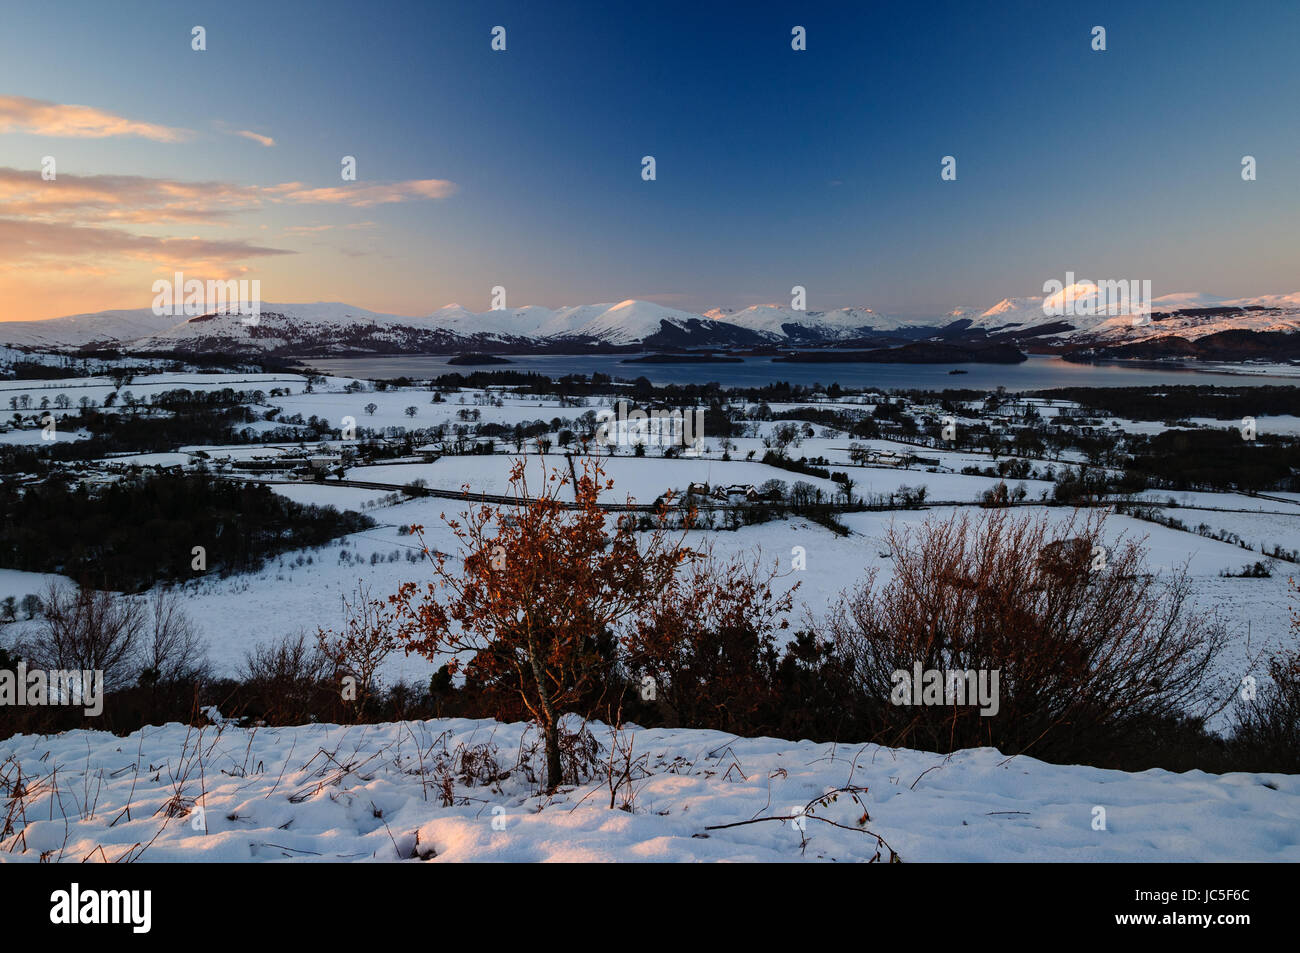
1216 460
132 533
66 367
640 390
1176 403
121 433
519 435
167 421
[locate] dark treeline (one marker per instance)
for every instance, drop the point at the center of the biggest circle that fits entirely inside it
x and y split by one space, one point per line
639 389
1137 403
1216 459
131 534
1177 403
215 361
37 371
83 363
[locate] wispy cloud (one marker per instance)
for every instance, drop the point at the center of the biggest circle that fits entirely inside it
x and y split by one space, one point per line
146 200
41 118
364 196
122 198
256 137
53 244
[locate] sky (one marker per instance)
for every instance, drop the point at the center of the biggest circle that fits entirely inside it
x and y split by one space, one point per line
522 168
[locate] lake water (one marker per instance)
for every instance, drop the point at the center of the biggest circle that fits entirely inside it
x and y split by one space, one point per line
1040 371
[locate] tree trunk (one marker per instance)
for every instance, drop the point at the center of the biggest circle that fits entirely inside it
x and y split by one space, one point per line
554 770
549 720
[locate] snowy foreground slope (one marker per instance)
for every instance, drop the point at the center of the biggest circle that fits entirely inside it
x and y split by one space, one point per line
373 792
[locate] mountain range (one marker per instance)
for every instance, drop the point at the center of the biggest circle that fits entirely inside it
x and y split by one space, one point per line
320 328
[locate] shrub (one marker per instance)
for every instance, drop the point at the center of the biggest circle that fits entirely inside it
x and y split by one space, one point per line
1086 643
285 681
170 649
1266 728
708 644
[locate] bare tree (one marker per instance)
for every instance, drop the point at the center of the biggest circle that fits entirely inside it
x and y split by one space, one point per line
170 649
285 678
368 636
89 630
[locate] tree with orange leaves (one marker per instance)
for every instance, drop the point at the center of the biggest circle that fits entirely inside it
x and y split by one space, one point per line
541 580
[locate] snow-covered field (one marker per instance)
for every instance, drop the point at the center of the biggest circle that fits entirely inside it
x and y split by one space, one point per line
15 583
373 793
643 478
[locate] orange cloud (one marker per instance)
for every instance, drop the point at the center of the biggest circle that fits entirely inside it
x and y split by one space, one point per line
256 137
50 244
125 198
142 200
41 118
364 196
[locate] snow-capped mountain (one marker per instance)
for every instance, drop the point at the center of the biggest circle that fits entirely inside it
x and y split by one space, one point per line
1084 312
107 328
778 322
1079 314
335 327
318 328
630 322
633 322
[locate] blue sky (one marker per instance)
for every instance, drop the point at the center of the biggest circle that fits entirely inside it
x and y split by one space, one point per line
775 167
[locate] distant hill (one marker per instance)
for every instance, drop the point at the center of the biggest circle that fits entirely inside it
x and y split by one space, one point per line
334 328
